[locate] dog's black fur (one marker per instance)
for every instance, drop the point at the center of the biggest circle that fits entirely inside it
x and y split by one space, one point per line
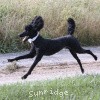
41 46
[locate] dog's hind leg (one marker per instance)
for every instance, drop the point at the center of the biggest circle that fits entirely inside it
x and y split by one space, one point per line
78 60
38 58
88 52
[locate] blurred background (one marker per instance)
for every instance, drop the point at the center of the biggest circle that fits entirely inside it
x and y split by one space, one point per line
15 14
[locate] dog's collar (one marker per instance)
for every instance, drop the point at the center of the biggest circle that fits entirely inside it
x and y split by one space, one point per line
33 39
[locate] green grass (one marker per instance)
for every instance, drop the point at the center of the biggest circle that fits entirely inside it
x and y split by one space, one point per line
14 15
77 88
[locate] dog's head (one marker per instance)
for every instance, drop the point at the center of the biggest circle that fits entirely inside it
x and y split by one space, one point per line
33 28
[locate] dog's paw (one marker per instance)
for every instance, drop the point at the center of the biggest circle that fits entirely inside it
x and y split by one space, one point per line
95 57
24 77
82 70
10 60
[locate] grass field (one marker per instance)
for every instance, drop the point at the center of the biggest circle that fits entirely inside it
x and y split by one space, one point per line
15 14
76 88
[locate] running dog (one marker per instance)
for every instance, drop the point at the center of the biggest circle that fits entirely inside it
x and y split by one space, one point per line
45 47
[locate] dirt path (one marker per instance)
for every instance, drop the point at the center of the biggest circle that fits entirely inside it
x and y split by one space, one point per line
59 65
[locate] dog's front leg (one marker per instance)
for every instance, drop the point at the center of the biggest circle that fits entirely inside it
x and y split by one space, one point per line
38 58
30 55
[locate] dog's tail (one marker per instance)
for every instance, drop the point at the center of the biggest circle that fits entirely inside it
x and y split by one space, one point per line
71 26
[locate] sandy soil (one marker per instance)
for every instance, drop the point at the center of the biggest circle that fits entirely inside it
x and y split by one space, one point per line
59 65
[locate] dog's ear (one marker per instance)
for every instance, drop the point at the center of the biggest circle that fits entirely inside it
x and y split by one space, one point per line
29 27
40 24
37 23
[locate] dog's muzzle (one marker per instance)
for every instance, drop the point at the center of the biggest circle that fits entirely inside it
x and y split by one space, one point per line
23 35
